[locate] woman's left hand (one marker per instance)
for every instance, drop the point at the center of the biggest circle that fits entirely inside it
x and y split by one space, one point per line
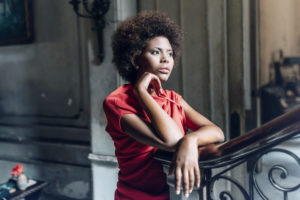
185 165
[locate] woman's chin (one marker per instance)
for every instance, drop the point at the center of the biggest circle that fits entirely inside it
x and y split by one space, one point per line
163 78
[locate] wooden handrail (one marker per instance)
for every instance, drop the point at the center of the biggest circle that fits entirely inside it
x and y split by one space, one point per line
266 136
263 132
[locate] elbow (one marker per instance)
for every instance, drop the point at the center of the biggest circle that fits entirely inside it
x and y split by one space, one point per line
171 144
167 147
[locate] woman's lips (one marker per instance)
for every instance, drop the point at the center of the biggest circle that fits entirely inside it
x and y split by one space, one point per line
164 70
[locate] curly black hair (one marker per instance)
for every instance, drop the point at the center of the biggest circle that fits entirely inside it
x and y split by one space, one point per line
133 34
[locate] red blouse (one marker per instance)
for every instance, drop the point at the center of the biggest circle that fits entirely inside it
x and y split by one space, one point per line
140 177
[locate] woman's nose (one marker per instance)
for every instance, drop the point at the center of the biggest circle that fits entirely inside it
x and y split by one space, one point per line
164 58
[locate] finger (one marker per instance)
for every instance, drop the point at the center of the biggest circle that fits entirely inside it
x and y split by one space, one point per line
171 170
197 176
186 188
191 180
156 84
173 165
155 80
178 177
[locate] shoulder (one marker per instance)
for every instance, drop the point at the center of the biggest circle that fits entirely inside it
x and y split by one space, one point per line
173 95
121 100
121 94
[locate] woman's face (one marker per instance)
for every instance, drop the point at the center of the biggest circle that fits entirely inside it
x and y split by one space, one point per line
157 58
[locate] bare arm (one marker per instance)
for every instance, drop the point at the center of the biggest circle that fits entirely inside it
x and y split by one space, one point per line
144 132
163 132
163 124
204 131
185 162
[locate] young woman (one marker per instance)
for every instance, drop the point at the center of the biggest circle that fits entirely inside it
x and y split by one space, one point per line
143 117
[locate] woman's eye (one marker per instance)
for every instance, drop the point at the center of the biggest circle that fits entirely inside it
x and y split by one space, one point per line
170 54
154 52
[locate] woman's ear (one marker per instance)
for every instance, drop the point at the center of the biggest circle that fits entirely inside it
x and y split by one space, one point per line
134 62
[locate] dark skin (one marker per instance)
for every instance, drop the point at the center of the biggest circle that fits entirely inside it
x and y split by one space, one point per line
155 66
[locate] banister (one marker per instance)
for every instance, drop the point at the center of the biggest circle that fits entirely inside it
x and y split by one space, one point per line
264 132
265 136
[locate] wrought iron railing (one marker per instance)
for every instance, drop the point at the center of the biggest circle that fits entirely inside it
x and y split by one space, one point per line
249 148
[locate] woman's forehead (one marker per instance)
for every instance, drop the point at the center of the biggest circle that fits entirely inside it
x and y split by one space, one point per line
160 42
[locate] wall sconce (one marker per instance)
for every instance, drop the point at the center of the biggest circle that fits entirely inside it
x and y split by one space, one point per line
96 12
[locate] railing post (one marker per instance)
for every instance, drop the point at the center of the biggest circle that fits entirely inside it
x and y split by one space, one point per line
251 188
207 181
253 166
202 185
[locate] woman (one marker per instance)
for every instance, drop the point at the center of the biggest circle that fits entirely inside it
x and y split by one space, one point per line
143 117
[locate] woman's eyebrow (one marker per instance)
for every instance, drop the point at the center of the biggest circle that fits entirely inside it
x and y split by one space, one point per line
162 49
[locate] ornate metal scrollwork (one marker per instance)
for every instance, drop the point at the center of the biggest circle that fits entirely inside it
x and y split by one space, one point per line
247 195
284 173
226 195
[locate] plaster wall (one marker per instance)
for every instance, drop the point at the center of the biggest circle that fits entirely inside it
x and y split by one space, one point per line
43 104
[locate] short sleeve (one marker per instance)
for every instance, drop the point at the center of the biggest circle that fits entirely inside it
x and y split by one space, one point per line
114 109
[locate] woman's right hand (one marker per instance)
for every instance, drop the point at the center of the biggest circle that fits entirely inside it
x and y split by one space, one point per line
148 82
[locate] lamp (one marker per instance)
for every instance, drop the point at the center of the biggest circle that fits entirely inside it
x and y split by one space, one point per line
96 12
